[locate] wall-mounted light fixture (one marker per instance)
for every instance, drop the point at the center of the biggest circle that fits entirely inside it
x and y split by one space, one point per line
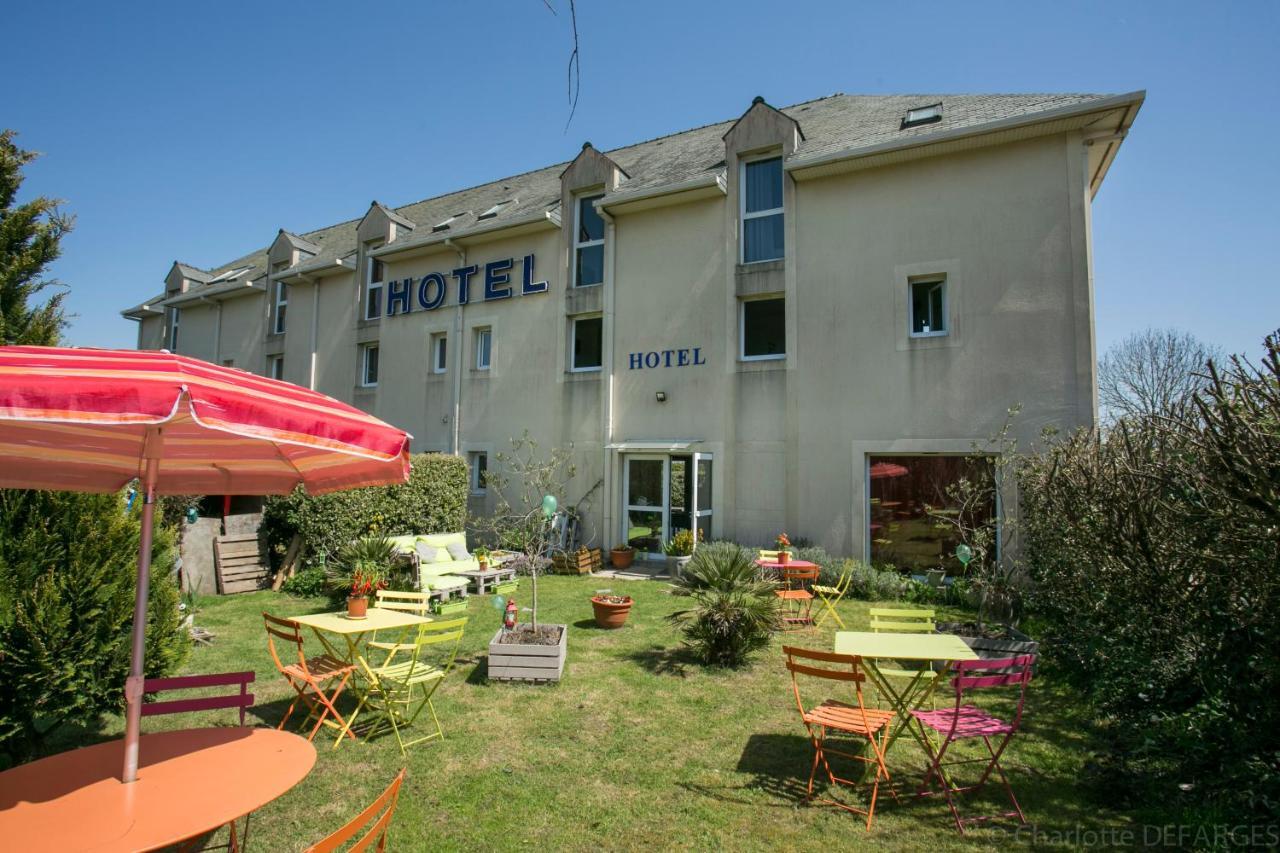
661 396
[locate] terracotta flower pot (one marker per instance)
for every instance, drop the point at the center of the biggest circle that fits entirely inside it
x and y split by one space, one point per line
484 565
784 556
622 559
358 606
610 615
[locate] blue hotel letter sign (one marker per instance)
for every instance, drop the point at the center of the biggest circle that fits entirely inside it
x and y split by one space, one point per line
687 357
491 283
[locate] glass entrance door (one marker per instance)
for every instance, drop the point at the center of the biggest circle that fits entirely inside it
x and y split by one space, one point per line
664 494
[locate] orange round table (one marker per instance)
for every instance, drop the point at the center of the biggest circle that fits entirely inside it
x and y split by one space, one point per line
189 782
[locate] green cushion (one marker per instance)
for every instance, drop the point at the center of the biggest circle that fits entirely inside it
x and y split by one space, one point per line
446 582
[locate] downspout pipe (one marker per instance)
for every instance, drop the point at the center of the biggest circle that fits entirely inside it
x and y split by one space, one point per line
456 437
610 262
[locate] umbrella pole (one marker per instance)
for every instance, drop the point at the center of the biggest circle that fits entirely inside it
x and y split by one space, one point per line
133 685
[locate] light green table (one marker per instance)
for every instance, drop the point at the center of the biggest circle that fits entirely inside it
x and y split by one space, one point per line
873 647
354 631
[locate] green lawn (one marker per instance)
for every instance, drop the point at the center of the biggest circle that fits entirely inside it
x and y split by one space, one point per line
636 747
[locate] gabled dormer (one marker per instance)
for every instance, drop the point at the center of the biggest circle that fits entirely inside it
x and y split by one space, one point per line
756 148
762 127
289 249
584 182
182 278
382 224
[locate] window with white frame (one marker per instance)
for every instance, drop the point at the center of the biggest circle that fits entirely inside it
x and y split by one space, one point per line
275 366
928 307
484 347
764 329
478 462
281 307
174 315
588 243
761 203
439 353
373 288
588 344
369 365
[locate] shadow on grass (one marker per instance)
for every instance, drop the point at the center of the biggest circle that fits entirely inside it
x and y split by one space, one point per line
661 660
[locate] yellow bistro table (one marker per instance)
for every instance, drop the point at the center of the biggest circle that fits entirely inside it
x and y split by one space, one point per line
873 647
354 631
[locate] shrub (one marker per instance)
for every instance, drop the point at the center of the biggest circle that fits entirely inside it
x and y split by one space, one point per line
872 584
1154 552
308 583
68 569
733 611
433 501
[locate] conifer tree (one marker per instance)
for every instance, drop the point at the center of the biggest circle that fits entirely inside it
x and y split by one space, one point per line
30 239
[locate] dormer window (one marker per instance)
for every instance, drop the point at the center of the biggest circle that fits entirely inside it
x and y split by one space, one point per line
922 115
445 224
493 211
762 213
588 243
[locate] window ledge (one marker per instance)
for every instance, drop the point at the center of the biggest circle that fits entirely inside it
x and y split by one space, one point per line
762 266
583 375
762 365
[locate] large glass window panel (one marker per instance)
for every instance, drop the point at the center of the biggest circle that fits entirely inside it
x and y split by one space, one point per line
764 330
644 482
588 349
915 502
590 265
704 484
590 224
928 307
762 239
644 530
763 185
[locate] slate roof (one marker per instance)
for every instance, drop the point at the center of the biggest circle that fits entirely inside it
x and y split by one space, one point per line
831 124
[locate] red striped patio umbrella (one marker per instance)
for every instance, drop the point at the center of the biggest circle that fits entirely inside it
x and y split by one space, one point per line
886 470
93 420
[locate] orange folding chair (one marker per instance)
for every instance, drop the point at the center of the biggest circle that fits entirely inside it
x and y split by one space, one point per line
309 677
796 595
841 718
377 826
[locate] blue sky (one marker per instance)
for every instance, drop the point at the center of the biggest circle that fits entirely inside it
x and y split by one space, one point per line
195 131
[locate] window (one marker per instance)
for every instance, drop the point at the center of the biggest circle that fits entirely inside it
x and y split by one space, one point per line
369 365
916 507
762 238
588 344
275 366
484 348
228 362
764 329
445 224
479 463
230 274
588 243
928 307
922 115
173 317
493 211
373 290
439 353
281 307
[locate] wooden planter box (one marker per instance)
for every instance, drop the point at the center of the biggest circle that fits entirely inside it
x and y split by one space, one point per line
578 563
512 662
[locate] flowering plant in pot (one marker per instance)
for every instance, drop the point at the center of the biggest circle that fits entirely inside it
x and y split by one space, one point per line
622 556
783 547
611 610
679 551
482 557
362 569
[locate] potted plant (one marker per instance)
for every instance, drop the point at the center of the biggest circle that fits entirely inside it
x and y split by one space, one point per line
783 545
611 610
679 552
362 569
622 556
482 557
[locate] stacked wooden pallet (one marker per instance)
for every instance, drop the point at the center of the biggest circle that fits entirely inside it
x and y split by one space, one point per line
240 563
581 562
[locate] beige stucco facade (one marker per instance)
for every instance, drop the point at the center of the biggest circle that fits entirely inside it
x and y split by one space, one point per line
1001 215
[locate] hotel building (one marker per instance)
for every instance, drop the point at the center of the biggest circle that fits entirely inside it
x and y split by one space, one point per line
801 319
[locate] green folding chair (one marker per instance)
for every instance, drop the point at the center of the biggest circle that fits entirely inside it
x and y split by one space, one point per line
399 689
830 596
902 621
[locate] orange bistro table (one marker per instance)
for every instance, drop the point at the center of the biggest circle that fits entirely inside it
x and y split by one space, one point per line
189 782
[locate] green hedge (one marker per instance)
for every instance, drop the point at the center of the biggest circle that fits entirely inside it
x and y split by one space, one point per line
433 501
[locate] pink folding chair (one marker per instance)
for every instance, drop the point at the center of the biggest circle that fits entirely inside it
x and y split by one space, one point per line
967 721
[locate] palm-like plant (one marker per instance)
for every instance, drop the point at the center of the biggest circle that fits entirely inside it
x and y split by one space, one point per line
366 561
734 611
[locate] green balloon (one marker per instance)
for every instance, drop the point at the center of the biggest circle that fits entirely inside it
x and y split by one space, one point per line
499 603
964 553
548 505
